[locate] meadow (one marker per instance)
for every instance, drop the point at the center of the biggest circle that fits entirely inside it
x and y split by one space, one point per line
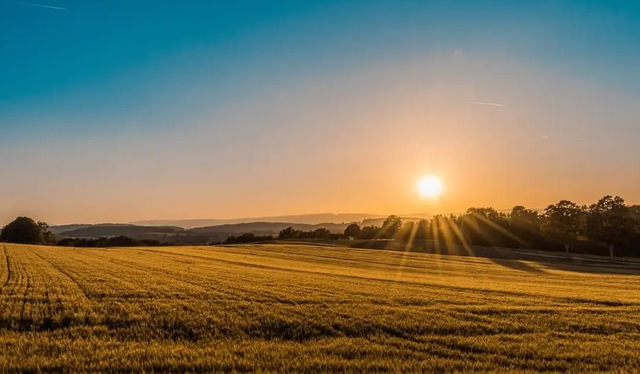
310 309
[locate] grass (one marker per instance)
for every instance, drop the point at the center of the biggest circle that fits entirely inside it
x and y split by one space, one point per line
305 308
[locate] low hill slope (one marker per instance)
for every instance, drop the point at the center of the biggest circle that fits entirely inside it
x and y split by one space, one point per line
304 308
108 230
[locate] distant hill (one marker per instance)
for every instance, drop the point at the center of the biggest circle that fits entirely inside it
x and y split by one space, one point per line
62 228
310 219
217 232
109 230
179 235
265 228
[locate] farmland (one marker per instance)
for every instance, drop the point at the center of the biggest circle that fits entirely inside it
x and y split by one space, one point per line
306 308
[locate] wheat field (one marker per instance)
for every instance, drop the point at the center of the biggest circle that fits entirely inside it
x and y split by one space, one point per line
310 309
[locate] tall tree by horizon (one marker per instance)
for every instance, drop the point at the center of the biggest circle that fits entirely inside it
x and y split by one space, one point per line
24 230
610 222
525 223
485 226
353 231
390 226
564 221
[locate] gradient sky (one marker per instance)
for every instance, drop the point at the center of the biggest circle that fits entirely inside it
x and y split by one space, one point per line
126 110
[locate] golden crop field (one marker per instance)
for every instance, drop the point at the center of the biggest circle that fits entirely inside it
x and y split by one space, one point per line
311 309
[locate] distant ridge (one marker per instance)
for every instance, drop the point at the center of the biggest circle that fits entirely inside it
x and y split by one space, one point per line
199 231
309 219
114 229
178 235
263 226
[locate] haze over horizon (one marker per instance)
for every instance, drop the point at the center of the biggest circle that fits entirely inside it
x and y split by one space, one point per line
124 111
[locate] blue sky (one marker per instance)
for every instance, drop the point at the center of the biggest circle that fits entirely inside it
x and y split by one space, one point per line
97 76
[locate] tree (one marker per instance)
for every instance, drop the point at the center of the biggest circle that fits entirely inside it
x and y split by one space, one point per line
407 232
526 219
47 236
486 226
610 222
525 224
390 226
422 230
563 222
353 231
322 233
122 241
24 230
634 211
369 232
289 233
488 213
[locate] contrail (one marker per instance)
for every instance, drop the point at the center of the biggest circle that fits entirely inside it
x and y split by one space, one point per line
489 104
40 5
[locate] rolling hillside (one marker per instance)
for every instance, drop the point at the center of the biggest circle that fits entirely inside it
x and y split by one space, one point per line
198 235
309 309
108 230
309 219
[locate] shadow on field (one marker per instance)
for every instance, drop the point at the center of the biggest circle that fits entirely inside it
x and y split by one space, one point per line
512 258
518 265
590 267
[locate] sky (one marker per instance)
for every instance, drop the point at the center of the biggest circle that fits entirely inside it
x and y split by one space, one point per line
117 111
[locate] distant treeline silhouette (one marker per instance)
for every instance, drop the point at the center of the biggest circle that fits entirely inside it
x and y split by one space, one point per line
24 230
607 227
288 233
248 238
116 241
321 233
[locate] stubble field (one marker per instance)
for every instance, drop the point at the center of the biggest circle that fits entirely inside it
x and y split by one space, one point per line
312 309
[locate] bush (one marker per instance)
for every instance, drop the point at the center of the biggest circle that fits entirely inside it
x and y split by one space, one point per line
24 230
247 238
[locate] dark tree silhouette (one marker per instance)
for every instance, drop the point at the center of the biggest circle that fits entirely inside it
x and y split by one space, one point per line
321 233
564 221
407 233
610 222
289 233
422 229
525 224
390 226
526 219
24 230
486 226
369 232
247 238
353 231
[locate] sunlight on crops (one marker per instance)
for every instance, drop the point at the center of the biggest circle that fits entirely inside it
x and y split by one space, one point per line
308 309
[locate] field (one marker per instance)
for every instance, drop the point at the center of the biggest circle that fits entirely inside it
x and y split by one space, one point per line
305 308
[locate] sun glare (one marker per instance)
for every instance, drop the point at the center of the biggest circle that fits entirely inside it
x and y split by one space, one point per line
430 186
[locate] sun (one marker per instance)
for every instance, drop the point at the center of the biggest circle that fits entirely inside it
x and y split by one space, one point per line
430 186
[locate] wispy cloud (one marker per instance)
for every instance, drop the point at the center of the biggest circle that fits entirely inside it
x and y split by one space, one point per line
485 103
543 136
457 52
40 5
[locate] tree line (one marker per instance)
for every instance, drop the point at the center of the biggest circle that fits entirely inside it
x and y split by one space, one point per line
24 230
115 241
607 227
321 233
288 233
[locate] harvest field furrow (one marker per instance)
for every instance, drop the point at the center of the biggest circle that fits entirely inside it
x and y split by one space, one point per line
310 309
6 269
